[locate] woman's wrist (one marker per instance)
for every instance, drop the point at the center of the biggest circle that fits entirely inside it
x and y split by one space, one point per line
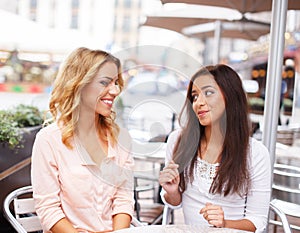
173 198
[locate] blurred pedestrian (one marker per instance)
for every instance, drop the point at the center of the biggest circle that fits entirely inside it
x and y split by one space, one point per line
214 170
81 163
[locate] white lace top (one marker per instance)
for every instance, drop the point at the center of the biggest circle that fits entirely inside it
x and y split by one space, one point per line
253 206
206 171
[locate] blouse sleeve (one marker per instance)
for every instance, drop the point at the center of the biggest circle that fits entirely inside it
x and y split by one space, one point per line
258 197
123 198
45 184
169 154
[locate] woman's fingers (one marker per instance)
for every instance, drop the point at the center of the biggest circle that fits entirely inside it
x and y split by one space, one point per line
214 214
167 176
169 173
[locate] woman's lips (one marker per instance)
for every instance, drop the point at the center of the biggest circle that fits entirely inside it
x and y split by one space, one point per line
108 102
202 113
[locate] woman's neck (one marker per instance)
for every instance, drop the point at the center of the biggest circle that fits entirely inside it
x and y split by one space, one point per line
212 145
88 134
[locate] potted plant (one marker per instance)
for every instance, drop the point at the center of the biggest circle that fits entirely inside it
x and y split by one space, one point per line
16 123
10 134
18 127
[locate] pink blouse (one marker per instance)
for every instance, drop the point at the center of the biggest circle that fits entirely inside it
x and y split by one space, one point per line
67 183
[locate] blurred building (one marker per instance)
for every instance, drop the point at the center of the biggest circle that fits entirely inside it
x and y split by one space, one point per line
113 23
127 18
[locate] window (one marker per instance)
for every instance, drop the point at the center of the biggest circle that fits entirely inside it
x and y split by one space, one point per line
75 3
126 24
74 21
33 4
127 3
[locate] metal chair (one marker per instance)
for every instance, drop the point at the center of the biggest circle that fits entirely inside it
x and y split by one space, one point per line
149 213
18 209
284 221
168 216
149 159
286 191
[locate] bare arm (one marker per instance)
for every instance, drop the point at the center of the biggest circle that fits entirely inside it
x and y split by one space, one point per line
63 226
121 221
214 215
173 198
243 224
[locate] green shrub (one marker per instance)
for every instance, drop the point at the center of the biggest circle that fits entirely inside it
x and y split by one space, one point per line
13 120
27 115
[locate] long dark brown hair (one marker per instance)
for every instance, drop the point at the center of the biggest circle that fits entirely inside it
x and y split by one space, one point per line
233 173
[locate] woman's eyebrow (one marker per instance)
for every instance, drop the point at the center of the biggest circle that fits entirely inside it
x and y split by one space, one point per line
205 87
106 77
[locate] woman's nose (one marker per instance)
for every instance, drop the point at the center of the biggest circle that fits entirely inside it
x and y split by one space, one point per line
114 89
201 100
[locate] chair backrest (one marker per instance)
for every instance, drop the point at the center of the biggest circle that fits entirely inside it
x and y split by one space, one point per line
286 192
18 209
20 212
284 221
286 183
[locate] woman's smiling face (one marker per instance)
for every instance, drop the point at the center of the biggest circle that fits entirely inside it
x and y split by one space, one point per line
207 99
99 95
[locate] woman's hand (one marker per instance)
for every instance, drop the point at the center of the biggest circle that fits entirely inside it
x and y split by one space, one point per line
169 178
213 214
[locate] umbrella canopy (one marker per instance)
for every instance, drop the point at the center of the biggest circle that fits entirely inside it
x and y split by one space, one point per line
174 23
243 6
25 35
201 27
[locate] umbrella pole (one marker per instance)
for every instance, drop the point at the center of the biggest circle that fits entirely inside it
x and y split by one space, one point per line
273 83
217 41
274 72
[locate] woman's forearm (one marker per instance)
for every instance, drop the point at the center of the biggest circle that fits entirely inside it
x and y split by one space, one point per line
121 221
173 198
243 224
63 226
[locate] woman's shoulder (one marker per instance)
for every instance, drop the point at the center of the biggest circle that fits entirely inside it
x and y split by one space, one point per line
49 130
257 145
258 150
124 139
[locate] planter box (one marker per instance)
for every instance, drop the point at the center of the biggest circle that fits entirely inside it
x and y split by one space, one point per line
15 170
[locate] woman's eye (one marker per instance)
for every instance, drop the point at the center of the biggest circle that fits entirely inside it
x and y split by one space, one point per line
194 98
104 83
208 93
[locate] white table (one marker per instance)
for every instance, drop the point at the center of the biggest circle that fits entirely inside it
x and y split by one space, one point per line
178 229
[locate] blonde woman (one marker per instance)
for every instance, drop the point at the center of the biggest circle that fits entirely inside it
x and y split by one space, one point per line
81 163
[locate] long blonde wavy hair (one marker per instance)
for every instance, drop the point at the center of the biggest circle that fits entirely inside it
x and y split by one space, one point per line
78 70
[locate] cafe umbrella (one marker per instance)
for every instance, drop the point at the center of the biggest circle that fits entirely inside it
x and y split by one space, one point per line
197 27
